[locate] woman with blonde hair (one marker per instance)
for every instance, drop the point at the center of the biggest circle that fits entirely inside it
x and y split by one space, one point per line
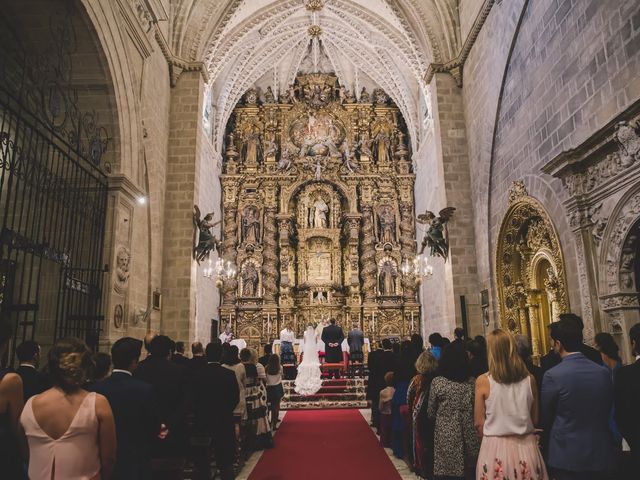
70 431
506 412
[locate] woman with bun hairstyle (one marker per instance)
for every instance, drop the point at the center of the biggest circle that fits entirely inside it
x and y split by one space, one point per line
70 432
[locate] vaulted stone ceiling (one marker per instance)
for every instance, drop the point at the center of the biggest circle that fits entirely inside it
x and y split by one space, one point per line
385 43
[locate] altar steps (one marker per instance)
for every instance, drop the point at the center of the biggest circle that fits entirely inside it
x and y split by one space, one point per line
340 393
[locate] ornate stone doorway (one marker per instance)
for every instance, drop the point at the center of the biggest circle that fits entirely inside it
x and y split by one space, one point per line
530 270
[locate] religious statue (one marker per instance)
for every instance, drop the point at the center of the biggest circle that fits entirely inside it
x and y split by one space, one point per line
318 217
364 96
251 97
122 270
382 133
386 224
364 144
249 280
436 237
320 297
250 225
271 148
387 278
342 94
348 156
285 160
269 97
252 145
380 97
292 93
206 240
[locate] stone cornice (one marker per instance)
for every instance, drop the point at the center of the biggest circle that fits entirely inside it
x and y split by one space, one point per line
123 184
178 65
455 65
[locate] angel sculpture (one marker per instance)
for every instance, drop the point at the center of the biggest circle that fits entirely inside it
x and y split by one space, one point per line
206 240
436 236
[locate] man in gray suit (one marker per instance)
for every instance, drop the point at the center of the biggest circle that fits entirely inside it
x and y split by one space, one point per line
355 339
576 401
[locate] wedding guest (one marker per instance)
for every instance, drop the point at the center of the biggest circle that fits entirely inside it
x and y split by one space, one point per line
421 427
456 442
168 381
259 436
33 381
11 404
417 346
198 358
355 340
384 408
609 352
262 373
435 342
264 359
403 373
287 337
215 394
552 359
70 431
133 405
384 362
506 412
179 356
576 400
147 342
102 368
459 335
275 391
231 361
477 350
524 350
627 399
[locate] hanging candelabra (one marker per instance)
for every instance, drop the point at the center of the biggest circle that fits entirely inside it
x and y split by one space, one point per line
221 271
419 267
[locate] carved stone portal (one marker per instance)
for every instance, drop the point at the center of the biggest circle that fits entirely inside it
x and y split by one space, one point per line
316 222
530 270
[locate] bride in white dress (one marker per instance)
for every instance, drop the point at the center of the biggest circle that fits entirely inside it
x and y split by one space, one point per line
308 381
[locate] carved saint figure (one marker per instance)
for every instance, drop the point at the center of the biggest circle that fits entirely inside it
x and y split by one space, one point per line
249 280
269 97
348 156
321 298
319 217
252 144
206 240
285 160
122 270
436 236
364 96
382 135
250 225
387 278
291 94
271 148
386 224
364 144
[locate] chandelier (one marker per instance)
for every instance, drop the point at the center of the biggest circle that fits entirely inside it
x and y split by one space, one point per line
418 267
221 271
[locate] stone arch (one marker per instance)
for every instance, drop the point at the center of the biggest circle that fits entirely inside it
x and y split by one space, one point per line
619 262
530 271
344 191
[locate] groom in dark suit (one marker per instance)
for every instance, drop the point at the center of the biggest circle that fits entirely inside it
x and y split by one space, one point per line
332 336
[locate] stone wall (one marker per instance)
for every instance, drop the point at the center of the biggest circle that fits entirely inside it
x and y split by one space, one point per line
572 68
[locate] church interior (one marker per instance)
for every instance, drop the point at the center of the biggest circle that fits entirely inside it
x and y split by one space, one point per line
182 167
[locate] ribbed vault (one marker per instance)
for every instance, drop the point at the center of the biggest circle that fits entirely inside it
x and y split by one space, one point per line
370 43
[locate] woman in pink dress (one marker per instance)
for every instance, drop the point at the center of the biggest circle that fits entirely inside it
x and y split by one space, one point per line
506 411
70 432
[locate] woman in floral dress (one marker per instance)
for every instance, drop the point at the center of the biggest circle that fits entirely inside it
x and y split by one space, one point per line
506 410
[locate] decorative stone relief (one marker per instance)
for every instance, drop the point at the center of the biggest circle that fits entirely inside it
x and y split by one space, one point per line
121 281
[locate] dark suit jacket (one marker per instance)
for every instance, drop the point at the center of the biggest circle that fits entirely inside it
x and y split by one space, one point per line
215 395
385 362
627 401
263 360
332 334
180 359
33 381
137 423
168 381
576 401
355 339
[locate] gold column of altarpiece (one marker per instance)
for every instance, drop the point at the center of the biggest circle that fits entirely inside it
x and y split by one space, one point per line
318 213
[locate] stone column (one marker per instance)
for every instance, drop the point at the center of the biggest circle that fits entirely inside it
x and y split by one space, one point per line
270 241
408 250
182 191
534 322
368 268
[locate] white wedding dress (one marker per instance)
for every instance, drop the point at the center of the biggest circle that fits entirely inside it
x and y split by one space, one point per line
308 381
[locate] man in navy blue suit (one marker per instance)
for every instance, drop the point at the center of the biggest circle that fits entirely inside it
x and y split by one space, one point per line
136 418
576 401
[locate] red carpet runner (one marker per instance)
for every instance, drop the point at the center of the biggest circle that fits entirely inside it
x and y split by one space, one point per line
325 445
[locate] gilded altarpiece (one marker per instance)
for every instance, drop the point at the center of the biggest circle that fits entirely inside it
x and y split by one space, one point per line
318 213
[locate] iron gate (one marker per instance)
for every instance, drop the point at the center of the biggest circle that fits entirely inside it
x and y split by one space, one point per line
53 194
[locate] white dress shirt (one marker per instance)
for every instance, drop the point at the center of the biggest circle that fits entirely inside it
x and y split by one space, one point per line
287 335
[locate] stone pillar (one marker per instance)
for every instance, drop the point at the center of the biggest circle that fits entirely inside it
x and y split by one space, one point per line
270 241
368 268
534 323
181 193
452 182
